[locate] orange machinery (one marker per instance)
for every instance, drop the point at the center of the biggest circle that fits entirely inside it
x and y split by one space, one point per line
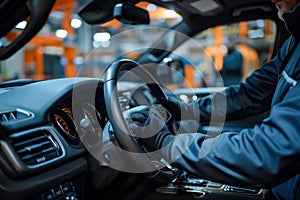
216 52
35 50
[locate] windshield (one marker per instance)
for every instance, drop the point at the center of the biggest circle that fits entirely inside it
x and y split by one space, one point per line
68 47
224 55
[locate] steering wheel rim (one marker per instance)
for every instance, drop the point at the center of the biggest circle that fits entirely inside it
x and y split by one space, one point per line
122 132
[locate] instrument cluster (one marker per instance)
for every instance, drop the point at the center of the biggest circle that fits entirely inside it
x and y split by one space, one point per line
70 122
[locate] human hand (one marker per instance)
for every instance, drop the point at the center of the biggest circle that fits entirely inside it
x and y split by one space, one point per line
149 127
181 110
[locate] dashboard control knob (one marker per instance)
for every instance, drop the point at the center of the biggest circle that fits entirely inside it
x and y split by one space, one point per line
89 135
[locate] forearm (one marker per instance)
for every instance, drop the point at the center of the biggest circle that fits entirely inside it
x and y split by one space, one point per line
263 156
250 98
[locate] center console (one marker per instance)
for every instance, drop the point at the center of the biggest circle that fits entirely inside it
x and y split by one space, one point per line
191 188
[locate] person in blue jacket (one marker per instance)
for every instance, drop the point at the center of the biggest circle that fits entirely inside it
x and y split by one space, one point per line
232 69
265 156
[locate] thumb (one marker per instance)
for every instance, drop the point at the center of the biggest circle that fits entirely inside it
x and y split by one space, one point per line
155 124
140 119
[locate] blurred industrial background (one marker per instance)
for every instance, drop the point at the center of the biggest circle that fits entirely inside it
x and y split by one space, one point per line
66 43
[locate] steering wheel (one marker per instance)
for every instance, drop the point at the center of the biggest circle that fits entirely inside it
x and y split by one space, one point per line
121 130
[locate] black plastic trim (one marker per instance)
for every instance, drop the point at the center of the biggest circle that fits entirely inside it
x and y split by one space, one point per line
35 185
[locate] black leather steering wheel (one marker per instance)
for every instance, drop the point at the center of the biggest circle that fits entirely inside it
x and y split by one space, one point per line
122 132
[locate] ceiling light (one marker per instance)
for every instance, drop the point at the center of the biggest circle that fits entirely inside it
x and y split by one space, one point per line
76 23
61 33
102 37
205 5
151 7
171 13
21 25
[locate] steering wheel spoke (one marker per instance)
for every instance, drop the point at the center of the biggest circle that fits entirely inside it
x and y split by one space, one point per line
114 111
119 118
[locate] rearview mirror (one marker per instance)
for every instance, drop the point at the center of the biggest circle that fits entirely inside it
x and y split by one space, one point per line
130 14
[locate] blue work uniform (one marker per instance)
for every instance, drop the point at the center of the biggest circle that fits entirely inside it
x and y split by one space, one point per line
264 156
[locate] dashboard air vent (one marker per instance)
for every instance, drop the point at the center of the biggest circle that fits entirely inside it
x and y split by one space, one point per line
36 147
13 115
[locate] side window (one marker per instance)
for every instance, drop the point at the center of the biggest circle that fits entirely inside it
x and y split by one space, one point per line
226 55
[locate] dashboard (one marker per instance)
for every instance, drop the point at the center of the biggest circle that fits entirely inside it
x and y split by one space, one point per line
43 155
42 126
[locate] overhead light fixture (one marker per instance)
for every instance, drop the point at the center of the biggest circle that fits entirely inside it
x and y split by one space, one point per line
61 33
151 7
171 13
102 37
76 23
104 44
204 7
21 25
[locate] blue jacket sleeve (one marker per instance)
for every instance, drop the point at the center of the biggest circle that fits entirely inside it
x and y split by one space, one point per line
262 156
259 157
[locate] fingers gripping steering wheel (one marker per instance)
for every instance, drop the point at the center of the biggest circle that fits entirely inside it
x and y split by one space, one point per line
121 130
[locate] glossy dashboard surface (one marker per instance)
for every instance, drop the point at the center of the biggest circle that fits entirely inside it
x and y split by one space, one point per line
43 143
39 134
